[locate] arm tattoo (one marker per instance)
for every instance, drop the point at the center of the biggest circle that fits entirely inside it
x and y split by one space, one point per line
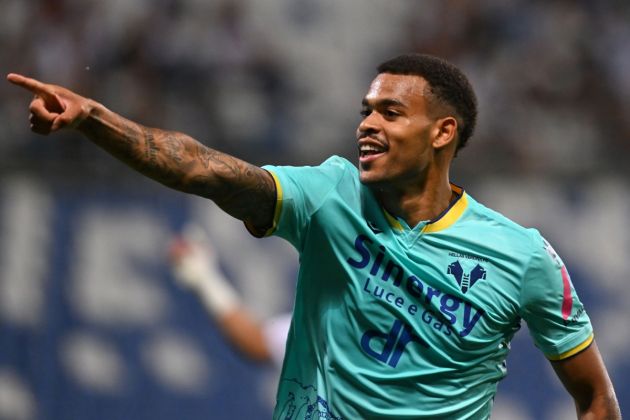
222 162
151 149
245 191
174 147
241 189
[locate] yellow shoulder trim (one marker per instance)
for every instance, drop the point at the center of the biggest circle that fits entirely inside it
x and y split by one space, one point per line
573 351
450 217
278 208
276 211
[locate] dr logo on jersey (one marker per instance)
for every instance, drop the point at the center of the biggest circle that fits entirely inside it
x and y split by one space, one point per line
391 345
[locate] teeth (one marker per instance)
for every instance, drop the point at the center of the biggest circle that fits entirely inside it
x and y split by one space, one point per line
368 148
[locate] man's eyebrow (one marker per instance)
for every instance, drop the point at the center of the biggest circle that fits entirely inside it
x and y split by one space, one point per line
385 102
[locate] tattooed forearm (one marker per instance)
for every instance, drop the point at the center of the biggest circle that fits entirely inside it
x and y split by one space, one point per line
178 161
151 149
210 158
249 195
129 136
174 147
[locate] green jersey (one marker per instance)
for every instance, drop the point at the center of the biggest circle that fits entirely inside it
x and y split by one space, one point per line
393 321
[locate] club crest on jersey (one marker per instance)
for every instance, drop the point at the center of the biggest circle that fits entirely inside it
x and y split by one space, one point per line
466 280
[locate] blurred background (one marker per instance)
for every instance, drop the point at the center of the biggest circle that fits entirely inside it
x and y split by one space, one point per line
91 322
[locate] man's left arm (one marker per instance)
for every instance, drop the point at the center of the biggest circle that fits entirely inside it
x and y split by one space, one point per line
586 379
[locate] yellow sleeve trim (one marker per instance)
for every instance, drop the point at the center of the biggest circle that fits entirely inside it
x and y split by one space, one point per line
573 351
278 207
276 212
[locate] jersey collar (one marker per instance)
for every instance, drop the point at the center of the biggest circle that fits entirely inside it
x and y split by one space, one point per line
444 220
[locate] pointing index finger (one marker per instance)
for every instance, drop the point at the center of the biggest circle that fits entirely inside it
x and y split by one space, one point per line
33 85
38 88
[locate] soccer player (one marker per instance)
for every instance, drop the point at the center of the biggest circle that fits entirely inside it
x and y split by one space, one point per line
409 290
195 266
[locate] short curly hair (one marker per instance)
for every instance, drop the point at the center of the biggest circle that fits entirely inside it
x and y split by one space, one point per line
447 84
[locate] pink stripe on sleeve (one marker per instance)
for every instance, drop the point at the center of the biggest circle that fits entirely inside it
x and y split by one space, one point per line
567 299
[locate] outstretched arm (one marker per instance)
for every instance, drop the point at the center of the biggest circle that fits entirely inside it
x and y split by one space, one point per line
244 191
585 377
195 265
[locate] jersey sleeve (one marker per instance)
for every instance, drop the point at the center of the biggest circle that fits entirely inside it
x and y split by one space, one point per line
556 318
301 191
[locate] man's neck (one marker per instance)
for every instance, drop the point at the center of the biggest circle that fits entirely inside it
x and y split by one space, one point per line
416 203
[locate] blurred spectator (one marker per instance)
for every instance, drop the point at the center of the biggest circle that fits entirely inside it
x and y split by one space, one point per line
196 266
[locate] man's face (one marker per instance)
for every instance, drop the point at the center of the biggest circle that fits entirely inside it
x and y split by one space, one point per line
394 136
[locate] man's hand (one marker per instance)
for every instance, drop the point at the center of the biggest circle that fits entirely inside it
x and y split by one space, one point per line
194 261
53 107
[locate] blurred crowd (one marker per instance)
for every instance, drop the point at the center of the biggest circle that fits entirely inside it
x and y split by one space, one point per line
280 81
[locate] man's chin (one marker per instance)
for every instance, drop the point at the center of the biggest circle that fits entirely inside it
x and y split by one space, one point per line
369 179
364 177
372 175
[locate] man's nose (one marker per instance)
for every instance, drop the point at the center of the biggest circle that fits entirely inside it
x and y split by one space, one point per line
370 124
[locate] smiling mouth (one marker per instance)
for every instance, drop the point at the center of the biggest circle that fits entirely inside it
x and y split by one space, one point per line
368 152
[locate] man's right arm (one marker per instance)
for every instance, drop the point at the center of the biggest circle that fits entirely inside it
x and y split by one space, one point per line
244 191
586 379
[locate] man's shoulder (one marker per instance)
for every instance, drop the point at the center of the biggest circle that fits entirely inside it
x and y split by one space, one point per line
334 166
339 164
334 177
499 225
336 173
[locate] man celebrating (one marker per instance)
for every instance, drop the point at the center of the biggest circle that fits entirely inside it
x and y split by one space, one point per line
409 290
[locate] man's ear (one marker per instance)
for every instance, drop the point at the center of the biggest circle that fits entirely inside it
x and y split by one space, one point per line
446 132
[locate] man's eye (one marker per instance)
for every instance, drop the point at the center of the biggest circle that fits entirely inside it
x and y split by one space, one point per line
365 112
390 114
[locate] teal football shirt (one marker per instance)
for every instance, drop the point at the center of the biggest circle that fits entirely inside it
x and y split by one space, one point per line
392 321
